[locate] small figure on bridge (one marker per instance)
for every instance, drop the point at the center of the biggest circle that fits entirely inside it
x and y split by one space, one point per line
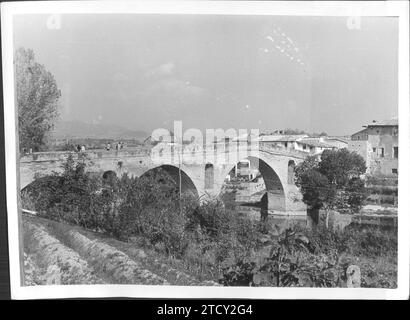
83 148
108 146
78 148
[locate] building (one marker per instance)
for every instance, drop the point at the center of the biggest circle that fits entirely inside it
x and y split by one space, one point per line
338 142
378 144
246 170
301 143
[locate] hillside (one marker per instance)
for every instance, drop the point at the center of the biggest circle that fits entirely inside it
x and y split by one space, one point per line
78 129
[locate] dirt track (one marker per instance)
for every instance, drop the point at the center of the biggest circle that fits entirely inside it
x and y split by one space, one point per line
57 253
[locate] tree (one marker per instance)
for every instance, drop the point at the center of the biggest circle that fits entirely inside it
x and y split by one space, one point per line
316 135
316 189
37 100
293 131
341 166
333 182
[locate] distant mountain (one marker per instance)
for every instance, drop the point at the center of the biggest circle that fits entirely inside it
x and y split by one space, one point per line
78 129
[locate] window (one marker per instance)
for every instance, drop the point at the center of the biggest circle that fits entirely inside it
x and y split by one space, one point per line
395 152
380 152
394 171
374 149
304 147
286 144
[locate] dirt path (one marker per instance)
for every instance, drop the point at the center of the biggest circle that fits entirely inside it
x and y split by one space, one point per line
57 253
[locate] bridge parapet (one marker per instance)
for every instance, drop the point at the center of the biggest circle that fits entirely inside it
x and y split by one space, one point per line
89 154
145 152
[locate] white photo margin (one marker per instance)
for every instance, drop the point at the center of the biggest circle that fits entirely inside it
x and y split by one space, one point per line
398 9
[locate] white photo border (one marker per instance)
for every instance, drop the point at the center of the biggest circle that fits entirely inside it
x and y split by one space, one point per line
398 9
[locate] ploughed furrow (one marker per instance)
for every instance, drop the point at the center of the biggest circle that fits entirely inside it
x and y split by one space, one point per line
114 263
111 261
48 261
152 262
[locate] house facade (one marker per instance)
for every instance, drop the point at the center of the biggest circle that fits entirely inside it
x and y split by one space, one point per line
378 145
301 143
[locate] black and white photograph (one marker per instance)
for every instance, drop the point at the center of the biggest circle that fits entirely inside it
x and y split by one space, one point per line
208 149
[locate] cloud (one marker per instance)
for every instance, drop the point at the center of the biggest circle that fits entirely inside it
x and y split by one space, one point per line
165 69
174 88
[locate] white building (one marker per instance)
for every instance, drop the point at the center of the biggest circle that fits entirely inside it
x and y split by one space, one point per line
302 143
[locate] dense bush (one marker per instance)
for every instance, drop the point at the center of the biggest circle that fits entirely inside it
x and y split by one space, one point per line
388 180
289 262
319 258
63 197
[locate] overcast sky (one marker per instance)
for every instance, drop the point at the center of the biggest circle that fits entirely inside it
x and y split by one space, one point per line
144 71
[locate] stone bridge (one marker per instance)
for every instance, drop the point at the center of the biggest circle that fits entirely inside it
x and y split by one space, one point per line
204 178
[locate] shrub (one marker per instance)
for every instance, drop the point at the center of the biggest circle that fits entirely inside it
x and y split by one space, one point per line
289 262
63 197
301 257
371 242
240 274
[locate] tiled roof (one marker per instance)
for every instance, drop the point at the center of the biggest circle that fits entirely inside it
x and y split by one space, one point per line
315 143
282 138
345 140
363 130
391 122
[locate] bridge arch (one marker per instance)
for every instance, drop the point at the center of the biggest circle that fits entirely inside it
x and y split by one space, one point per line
109 174
109 177
187 185
275 197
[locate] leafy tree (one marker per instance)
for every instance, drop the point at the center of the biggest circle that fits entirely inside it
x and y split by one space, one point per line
332 182
309 164
355 193
316 189
341 166
37 98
